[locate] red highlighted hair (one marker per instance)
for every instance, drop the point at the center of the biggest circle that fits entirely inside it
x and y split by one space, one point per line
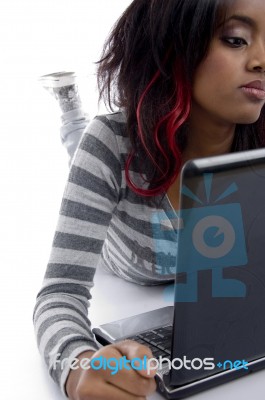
165 154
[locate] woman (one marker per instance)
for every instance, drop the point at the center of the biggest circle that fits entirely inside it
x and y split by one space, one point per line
189 78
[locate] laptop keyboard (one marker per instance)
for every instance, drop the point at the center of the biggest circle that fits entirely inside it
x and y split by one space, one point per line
158 340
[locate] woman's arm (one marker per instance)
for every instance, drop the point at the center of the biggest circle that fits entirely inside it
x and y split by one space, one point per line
60 315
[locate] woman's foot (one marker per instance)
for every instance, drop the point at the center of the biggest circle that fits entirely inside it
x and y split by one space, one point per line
63 86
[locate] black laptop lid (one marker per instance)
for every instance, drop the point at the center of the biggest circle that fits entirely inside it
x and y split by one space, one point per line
219 317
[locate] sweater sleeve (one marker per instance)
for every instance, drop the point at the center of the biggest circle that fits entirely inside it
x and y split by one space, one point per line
62 327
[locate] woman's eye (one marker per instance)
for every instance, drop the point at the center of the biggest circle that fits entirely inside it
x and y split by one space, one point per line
234 41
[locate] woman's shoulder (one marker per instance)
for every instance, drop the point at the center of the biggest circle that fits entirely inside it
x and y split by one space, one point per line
110 130
108 127
105 137
115 121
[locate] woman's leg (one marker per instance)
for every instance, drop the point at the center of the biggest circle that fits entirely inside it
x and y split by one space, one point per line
63 86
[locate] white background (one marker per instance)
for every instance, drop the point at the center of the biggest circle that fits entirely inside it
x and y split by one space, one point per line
37 37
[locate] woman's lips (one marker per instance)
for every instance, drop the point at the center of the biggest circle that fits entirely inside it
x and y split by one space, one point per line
253 92
255 89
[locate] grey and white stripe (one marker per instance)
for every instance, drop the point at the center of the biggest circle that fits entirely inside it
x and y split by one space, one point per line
101 220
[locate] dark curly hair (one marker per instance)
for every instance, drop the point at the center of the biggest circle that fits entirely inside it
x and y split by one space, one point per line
146 68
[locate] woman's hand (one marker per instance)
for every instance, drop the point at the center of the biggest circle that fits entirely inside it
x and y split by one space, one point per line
125 384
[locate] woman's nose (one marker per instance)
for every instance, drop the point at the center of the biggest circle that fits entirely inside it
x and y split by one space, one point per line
257 59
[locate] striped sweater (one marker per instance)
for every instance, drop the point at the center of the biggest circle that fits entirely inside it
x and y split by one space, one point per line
101 221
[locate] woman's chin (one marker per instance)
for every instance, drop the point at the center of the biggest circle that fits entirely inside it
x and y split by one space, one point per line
248 119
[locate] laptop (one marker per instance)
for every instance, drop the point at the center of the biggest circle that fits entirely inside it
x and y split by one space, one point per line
215 330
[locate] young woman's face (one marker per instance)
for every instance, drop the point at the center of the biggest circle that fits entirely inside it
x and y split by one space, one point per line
229 84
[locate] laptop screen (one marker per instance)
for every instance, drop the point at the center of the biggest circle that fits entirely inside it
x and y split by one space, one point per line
219 319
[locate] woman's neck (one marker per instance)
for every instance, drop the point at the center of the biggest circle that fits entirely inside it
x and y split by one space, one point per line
206 137
203 140
207 145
